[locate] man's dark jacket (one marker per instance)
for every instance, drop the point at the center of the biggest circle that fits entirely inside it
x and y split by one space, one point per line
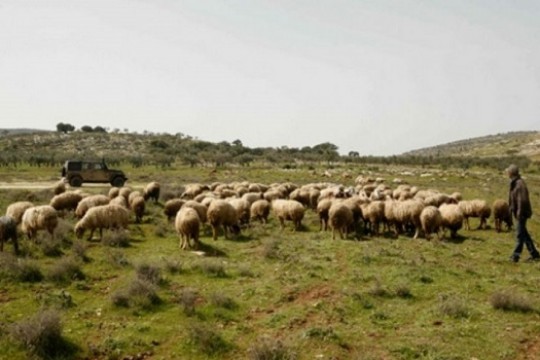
519 202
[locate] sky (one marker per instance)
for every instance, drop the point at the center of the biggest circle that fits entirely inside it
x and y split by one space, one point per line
380 77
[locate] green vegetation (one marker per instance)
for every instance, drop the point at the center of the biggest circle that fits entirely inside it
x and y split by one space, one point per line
270 293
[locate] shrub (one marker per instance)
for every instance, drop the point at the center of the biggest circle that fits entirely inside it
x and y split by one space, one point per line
403 291
41 334
65 270
271 249
119 238
117 258
51 247
212 268
454 307
138 293
508 300
187 297
266 348
207 340
79 249
19 269
173 266
149 273
223 301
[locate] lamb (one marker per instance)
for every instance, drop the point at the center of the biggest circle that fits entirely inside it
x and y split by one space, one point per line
431 221
340 218
88 202
66 201
172 207
137 205
260 210
42 217
222 214
8 231
289 210
151 191
102 217
452 218
475 208
17 209
501 213
187 224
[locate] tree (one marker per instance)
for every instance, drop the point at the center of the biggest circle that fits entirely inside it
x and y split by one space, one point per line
87 128
354 154
64 128
100 129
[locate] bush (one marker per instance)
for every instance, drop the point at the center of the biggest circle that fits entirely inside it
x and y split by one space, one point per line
65 270
149 273
79 249
212 268
223 301
41 334
118 238
453 307
173 266
266 348
187 297
207 340
508 300
138 293
51 247
19 269
117 258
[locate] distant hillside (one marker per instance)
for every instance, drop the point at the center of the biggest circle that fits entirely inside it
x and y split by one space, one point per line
21 131
523 143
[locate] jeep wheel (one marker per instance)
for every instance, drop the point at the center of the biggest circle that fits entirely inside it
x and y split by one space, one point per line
75 181
117 182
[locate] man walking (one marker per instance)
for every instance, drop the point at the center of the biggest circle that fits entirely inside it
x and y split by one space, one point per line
520 206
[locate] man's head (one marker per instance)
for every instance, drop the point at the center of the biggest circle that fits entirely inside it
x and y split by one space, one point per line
512 171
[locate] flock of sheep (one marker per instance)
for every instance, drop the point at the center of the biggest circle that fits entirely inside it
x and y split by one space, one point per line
229 207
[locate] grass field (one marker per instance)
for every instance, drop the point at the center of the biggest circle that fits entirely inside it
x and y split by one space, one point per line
271 293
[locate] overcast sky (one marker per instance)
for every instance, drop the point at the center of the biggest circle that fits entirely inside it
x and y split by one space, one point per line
378 77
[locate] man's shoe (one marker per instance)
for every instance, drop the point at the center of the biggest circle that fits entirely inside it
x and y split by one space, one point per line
514 258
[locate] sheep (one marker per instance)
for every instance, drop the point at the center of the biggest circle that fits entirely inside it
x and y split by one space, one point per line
242 208
301 195
41 217
323 207
260 210
90 201
151 191
192 190
431 221
340 218
172 207
251 197
501 213
273 194
59 187
102 217
125 191
187 225
137 205
132 195
222 214
66 201
288 210
407 213
17 209
475 208
451 218
120 201
201 209
373 213
113 192
8 231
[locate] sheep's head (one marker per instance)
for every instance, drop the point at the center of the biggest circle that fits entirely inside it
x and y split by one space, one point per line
235 229
79 231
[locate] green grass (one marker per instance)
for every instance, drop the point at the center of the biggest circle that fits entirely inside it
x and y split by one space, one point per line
290 295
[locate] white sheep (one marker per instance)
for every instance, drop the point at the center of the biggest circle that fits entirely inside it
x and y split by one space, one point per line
120 201
340 218
138 206
406 214
59 187
323 207
222 214
290 210
242 208
452 218
373 213
201 209
251 197
431 221
187 225
102 217
17 209
90 201
172 207
8 231
66 201
501 213
475 208
260 210
41 217
151 191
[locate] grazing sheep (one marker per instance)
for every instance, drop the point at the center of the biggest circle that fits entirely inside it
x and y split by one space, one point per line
431 221
120 201
42 217
273 194
138 206
406 214
452 218
301 195
59 187
66 201
132 195
475 208
8 231
323 207
192 190
289 210
187 224
251 197
501 213
88 202
113 192
201 209
222 214
260 210
125 191
242 208
151 191
102 217
340 218
17 209
172 207
373 213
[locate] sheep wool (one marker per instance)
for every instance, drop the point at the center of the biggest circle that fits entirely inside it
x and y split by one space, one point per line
452 218
290 210
340 218
187 224
89 202
17 209
222 214
501 214
431 221
151 191
260 210
42 217
102 217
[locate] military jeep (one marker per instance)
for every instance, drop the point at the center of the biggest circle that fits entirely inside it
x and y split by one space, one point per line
77 172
